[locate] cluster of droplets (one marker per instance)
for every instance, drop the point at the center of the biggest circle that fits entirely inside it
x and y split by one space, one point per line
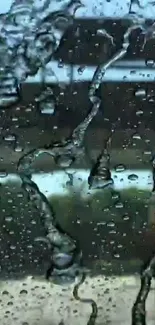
29 38
65 255
33 49
64 153
100 175
28 41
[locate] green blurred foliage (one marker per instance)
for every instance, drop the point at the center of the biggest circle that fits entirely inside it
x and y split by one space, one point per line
75 215
104 205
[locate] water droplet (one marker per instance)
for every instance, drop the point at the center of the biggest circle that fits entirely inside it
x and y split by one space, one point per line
13 247
8 218
120 168
18 148
60 63
10 137
136 136
147 153
81 70
115 196
133 177
5 293
126 217
110 224
3 173
139 112
23 292
119 205
149 63
62 259
47 107
140 93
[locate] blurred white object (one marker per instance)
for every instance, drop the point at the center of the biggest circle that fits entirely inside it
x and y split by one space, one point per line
5 6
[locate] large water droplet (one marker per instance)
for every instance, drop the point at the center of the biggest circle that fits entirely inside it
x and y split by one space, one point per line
3 174
150 63
47 107
64 161
81 70
133 177
119 205
10 137
62 259
139 112
136 136
140 93
8 218
120 168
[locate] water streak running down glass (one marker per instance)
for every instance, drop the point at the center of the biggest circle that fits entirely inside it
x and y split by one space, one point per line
32 34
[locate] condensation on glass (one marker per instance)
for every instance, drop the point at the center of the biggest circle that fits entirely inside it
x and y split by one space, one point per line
77 163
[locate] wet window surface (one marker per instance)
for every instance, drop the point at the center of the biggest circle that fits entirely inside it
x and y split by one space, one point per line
77 162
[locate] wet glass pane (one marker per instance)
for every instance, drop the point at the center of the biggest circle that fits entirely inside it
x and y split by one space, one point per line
77 162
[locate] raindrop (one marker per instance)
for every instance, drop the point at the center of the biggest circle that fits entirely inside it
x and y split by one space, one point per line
120 168
3 174
136 136
116 255
149 63
126 217
65 257
10 303
64 161
100 174
60 63
119 205
18 148
81 70
10 137
46 101
8 100
111 224
133 177
23 292
139 112
47 107
65 152
147 153
61 259
13 247
5 293
8 218
140 93
115 195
